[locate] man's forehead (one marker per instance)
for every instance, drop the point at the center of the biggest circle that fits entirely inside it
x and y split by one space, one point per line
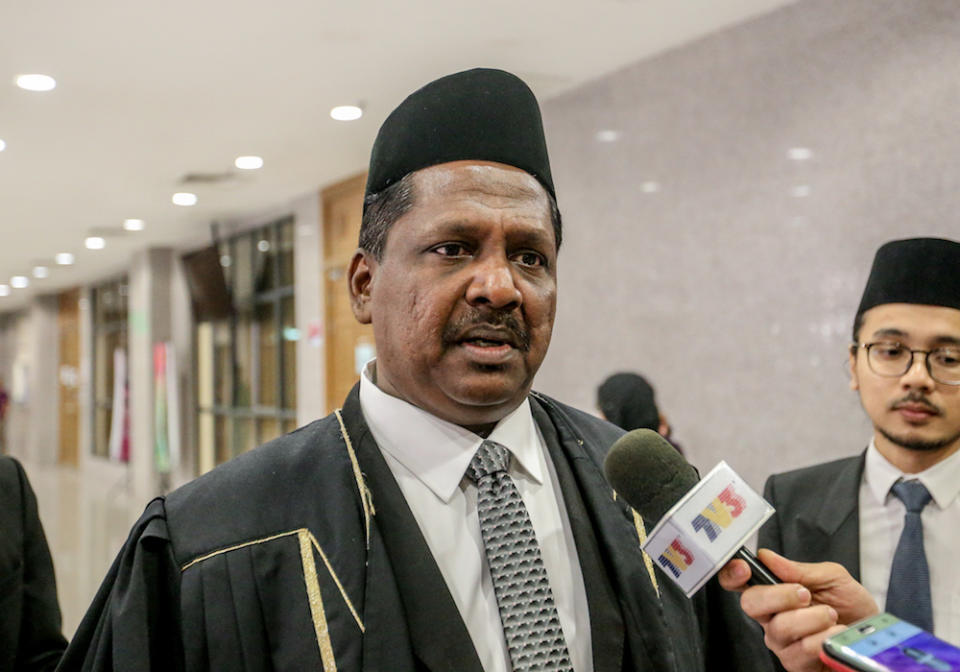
480 176
911 319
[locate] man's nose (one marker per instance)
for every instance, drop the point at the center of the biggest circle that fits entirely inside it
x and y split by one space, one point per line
493 285
918 375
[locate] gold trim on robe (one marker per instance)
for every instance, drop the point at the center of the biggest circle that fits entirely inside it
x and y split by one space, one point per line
366 497
316 601
642 536
307 543
647 560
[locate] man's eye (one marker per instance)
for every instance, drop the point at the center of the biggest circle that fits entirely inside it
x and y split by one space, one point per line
948 357
888 350
451 250
530 259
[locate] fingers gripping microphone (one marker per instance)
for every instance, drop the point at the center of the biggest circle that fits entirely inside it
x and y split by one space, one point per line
652 477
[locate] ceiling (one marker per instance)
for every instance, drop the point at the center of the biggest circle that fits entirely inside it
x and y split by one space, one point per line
148 93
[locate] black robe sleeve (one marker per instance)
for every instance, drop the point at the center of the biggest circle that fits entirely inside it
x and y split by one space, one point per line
134 622
31 639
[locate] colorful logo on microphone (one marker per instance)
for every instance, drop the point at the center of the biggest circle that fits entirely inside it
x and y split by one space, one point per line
719 514
697 536
676 558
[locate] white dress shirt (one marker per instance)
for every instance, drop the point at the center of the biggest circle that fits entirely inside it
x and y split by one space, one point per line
429 458
881 522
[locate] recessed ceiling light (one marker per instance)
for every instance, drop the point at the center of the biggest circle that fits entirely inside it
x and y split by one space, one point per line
650 187
40 272
608 135
36 82
346 113
4 290
799 153
19 282
800 191
95 243
263 245
3 145
225 261
184 198
248 162
64 258
133 224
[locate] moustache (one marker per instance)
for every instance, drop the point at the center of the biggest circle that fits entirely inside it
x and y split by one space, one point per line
916 398
493 319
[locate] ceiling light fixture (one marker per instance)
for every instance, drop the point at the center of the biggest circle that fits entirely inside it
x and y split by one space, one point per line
63 258
19 282
40 272
800 191
248 162
4 290
799 153
133 224
36 82
3 145
650 187
346 112
184 198
607 135
95 243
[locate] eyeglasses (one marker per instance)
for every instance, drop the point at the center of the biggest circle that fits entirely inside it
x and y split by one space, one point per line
893 360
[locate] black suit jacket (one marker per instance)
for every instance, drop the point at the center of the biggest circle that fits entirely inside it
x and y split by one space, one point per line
30 637
817 513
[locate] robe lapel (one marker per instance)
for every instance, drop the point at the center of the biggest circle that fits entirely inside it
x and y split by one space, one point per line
833 532
438 635
606 623
643 630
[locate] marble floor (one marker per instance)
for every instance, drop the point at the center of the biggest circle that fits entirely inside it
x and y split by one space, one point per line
86 517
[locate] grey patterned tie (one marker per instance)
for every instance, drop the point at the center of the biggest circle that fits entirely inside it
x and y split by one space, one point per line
530 621
908 595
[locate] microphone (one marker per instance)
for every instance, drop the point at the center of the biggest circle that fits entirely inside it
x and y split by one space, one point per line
652 476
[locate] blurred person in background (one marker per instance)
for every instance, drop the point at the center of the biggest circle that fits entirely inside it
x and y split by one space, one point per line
30 635
628 401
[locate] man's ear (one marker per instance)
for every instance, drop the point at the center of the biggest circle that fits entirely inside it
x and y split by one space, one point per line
360 279
854 381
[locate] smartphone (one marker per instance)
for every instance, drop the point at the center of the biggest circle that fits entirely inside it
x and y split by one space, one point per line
884 643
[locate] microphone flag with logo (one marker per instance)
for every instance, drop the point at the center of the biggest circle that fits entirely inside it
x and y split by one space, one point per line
699 523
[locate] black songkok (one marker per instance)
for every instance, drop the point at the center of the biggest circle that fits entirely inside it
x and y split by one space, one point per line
480 114
916 270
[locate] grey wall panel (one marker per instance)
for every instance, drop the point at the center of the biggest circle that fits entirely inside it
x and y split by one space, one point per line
733 294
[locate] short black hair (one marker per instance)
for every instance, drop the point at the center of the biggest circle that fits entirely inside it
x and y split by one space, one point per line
857 325
383 208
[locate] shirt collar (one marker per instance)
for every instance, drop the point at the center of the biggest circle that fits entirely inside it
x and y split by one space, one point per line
437 452
942 480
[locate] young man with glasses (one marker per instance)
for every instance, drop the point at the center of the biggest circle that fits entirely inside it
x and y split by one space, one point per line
890 515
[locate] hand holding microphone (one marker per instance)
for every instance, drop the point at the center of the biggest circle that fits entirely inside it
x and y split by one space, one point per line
708 520
797 615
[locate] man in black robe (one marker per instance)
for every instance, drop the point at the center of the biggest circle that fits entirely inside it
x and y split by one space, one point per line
346 545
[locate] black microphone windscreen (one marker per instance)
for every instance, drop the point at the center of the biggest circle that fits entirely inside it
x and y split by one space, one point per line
648 473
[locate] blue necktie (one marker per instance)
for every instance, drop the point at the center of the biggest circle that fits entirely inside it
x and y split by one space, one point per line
531 624
908 595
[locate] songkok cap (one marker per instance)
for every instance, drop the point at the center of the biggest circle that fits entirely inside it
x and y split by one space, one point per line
916 270
480 114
